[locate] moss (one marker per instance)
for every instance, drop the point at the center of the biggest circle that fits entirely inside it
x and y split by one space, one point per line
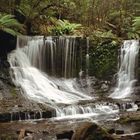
129 119
13 92
7 137
98 134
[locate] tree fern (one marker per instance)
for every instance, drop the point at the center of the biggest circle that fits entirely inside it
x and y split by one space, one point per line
62 27
9 24
136 23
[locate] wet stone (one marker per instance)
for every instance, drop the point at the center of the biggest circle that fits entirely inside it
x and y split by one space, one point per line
63 135
119 131
111 131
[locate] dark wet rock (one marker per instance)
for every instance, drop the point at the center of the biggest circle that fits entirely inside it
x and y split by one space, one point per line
119 131
6 117
45 132
91 131
7 44
137 90
137 102
15 116
111 131
93 85
65 135
48 114
105 87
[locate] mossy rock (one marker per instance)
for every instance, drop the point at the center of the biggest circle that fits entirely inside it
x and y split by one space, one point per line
7 137
124 120
91 131
14 92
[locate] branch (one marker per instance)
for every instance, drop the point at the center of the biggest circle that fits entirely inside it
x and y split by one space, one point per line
111 25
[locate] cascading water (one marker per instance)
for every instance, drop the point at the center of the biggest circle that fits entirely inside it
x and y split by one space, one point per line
37 85
87 67
34 57
126 74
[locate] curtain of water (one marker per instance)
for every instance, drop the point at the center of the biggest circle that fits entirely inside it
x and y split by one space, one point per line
126 74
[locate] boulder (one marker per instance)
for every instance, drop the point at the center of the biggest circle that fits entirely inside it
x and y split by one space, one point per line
91 131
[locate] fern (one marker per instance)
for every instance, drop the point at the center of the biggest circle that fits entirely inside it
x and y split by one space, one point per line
9 24
61 27
136 23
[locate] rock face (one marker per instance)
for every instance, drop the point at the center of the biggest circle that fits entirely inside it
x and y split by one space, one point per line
13 106
91 131
7 89
7 43
94 85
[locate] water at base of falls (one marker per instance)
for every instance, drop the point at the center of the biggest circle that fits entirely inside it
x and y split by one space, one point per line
126 74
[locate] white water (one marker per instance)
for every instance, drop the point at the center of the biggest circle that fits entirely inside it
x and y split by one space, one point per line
84 111
35 84
29 64
126 74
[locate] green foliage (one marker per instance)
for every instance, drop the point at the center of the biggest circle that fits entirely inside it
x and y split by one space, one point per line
63 27
133 32
9 24
103 58
109 16
31 9
136 24
98 36
13 92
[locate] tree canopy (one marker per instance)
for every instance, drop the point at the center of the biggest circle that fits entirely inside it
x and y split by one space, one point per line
104 18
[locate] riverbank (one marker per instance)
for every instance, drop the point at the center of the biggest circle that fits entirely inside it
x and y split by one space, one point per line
55 129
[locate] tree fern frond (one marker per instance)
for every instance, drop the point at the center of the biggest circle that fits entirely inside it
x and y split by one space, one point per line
9 24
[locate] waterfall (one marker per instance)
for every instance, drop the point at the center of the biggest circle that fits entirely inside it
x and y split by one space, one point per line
126 74
29 63
42 68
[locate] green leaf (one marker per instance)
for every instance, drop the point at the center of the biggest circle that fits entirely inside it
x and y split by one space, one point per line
9 24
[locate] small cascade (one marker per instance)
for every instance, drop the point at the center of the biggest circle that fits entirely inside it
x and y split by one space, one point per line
126 74
88 110
97 110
